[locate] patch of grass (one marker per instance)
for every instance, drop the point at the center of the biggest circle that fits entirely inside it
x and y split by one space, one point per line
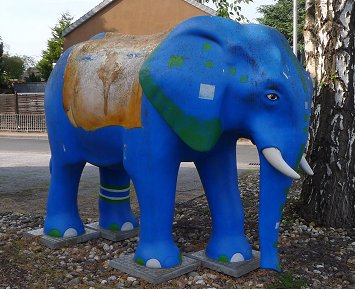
18 245
287 281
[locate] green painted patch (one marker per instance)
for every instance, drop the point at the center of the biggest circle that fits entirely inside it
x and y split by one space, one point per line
243 78
176 61
114 228
207 46
139 261
286 191
180 257
209 64
232 71
190 129
278 267
275 244
54 233
282 208
115 187
223 259
126 200
305 130
306 117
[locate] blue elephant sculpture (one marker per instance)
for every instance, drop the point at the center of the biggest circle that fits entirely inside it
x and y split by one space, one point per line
137 106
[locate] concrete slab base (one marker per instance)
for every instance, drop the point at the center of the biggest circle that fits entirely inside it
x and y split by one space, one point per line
111 235
55 243
155 276
232 269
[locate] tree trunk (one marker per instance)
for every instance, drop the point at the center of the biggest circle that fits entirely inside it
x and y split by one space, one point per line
328 197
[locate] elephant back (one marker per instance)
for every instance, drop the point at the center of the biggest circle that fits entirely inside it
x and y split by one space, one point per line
101 86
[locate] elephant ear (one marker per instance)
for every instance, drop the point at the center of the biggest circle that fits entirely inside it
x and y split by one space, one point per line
182 79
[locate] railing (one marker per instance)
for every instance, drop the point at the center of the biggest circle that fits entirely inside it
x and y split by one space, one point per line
23 122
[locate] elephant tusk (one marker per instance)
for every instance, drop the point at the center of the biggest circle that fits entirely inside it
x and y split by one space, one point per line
305 166
275 159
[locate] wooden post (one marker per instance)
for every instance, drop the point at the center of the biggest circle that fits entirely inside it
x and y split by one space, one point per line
16 103
17 111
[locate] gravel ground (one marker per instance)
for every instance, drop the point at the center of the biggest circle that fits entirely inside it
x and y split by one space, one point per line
311 257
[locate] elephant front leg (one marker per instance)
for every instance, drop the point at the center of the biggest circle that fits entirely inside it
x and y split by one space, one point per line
154 179
114 200
62 219
218 174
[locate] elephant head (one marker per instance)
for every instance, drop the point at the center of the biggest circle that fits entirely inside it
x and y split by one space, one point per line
220 77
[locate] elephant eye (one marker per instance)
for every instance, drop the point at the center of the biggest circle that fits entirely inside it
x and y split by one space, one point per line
272 96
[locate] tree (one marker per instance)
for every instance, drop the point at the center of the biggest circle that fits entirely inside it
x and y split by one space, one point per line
2 76
28 61
280 16
328 197
12 66
229 9
33 78
54 46
1 48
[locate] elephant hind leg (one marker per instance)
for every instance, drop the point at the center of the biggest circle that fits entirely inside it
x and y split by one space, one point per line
62 219
114 200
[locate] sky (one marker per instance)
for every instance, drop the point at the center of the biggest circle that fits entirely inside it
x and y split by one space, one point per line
25 24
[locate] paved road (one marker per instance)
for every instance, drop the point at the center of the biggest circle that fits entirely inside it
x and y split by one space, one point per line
24 165
24 145
246 153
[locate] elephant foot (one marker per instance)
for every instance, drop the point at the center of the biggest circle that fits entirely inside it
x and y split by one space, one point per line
115 217
63 226
118 224
158 255
229 249
269 260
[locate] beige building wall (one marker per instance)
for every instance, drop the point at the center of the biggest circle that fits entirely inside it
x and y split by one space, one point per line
137 17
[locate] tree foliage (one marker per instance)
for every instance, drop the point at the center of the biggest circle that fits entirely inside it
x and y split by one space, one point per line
13 66
229 9
1 48
33 78
54 46
2 80
280 16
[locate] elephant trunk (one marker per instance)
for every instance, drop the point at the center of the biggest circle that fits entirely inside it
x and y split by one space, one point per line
274 187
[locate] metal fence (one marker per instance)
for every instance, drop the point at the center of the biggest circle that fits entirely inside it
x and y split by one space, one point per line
23 122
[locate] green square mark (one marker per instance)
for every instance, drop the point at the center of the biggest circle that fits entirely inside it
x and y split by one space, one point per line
140 261
209 64
232 71
114 228
223 259
243 78
305 117
207 46
176 61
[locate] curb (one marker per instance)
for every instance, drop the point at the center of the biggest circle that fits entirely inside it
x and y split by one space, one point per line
29 135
